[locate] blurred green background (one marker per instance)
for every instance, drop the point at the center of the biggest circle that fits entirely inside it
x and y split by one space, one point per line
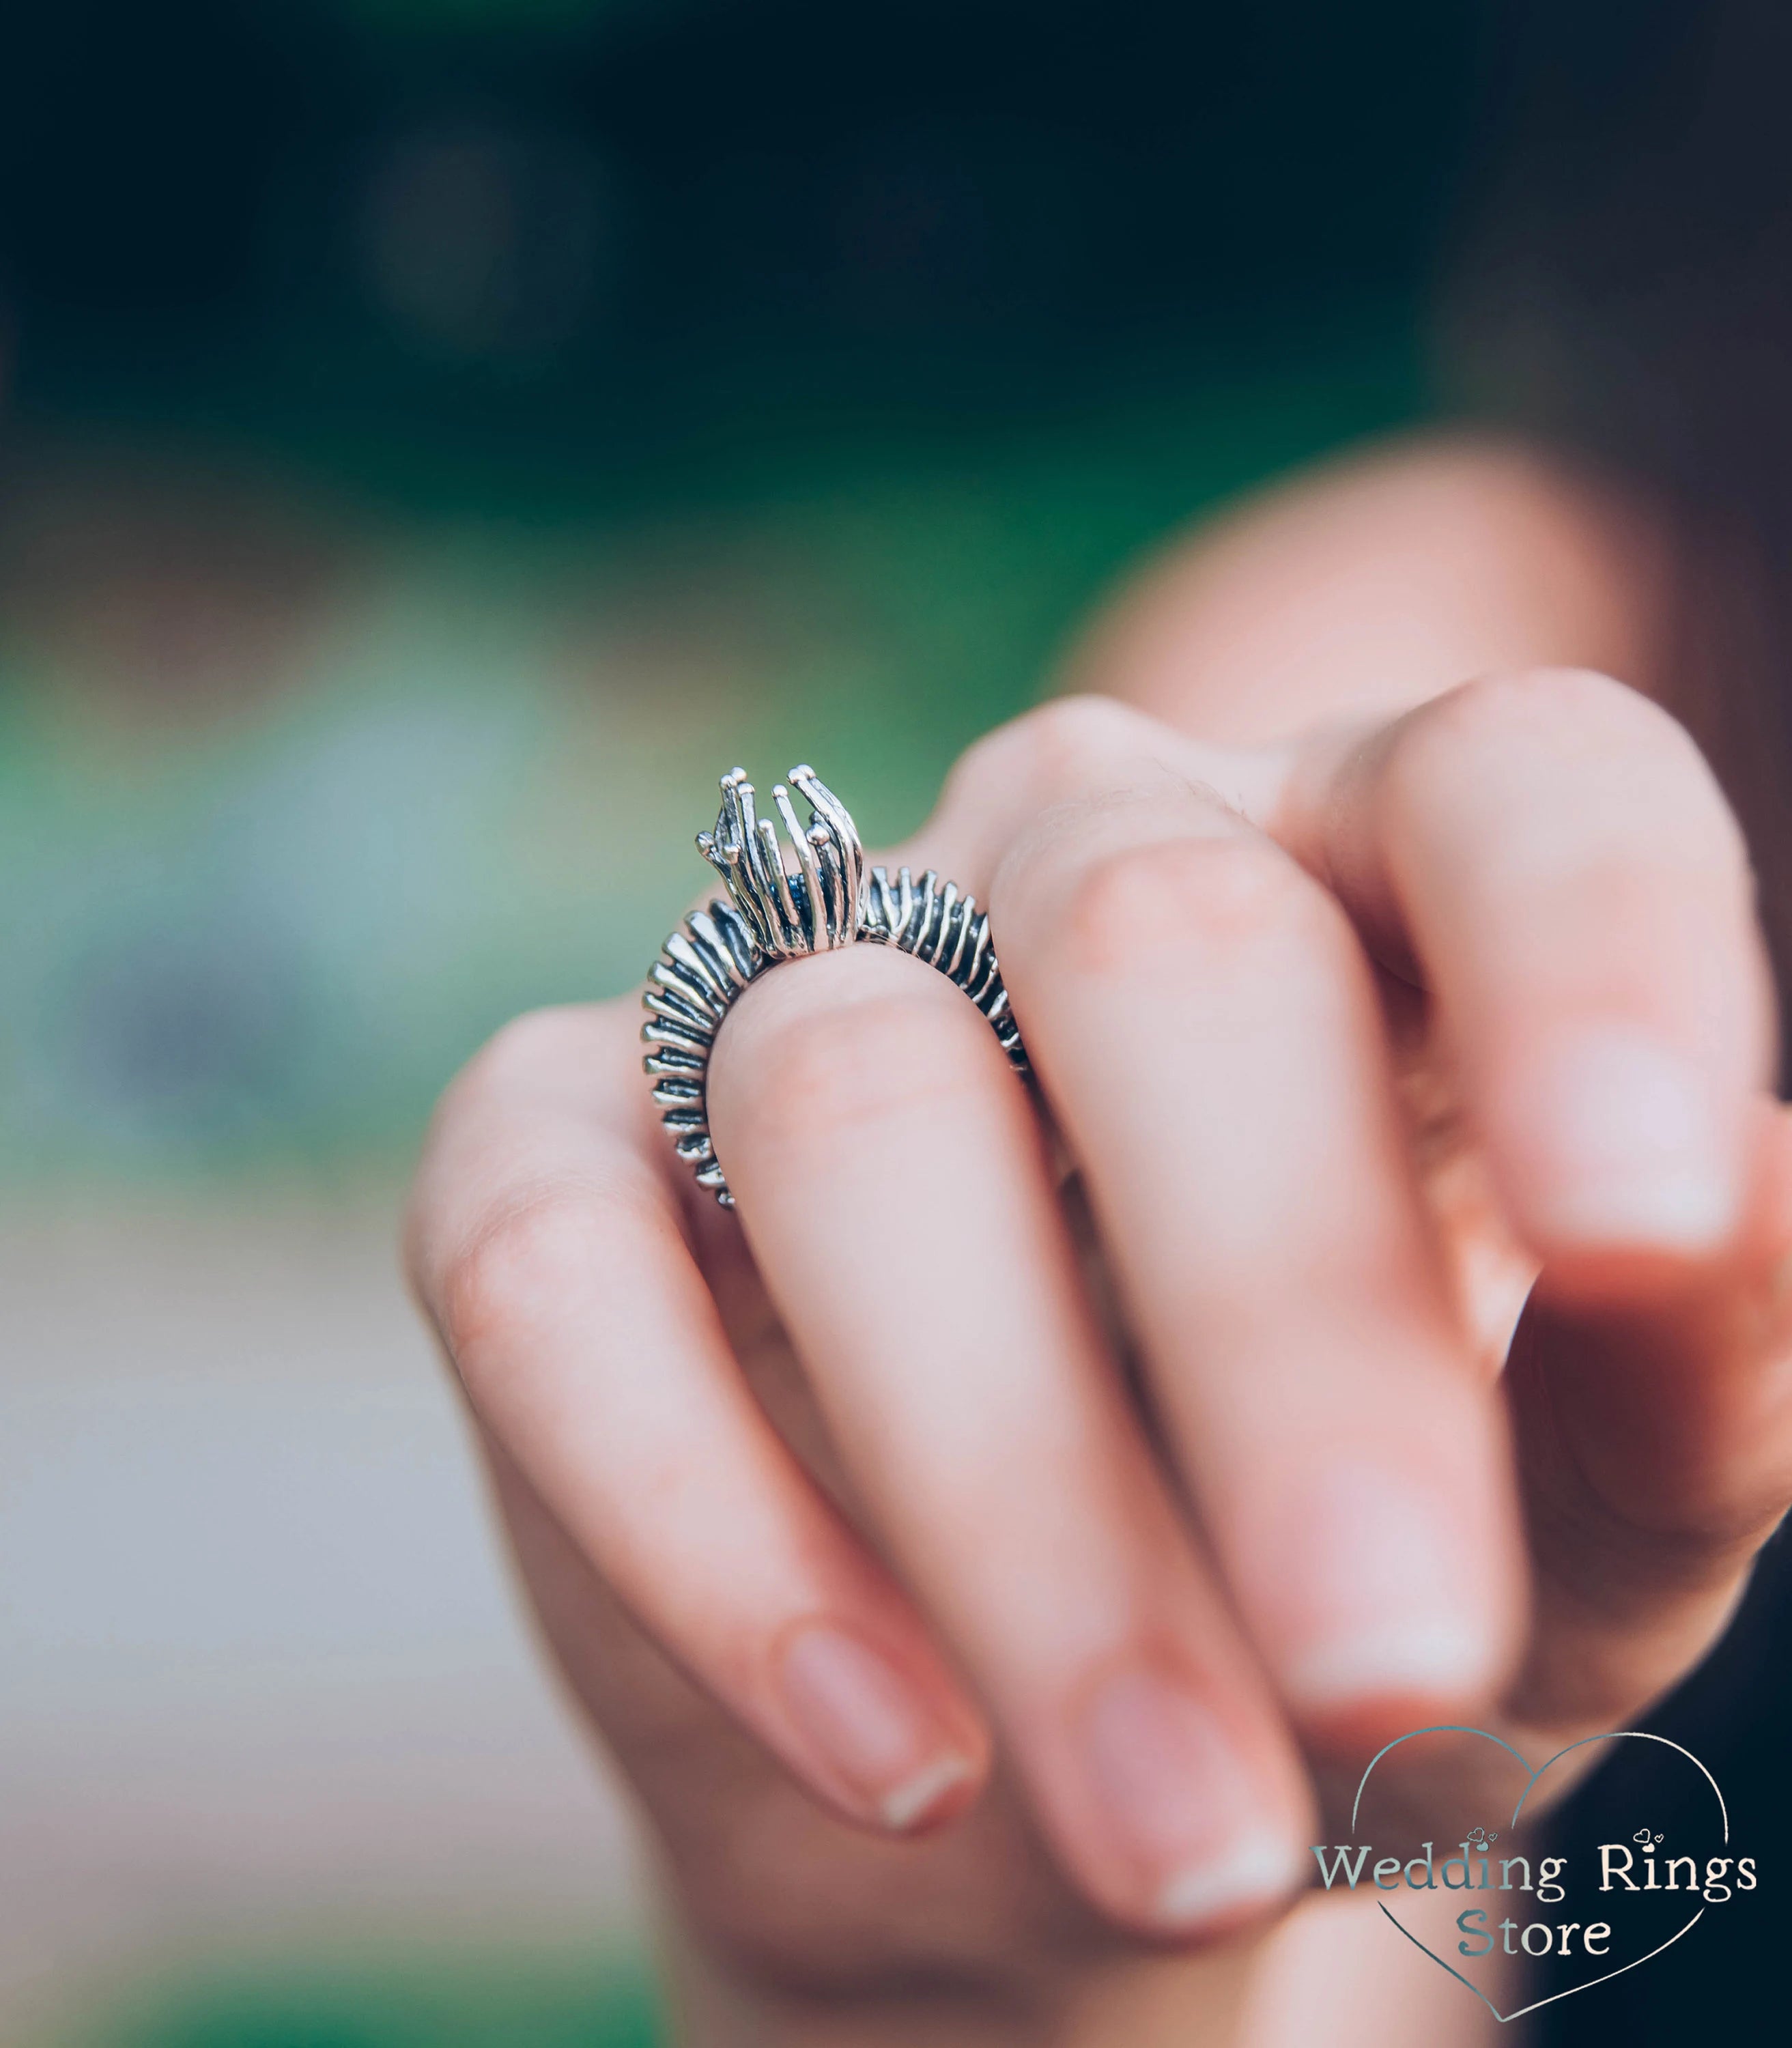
439 438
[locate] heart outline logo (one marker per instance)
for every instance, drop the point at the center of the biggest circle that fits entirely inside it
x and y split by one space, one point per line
1532 1776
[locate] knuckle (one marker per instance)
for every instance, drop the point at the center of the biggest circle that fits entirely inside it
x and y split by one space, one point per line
1574 735
1052 748
582 1053
1544 712
480 1160
1525 705
520 1262
1224 894
536 1040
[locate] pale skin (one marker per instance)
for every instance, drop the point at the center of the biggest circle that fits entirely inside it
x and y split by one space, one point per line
988 1553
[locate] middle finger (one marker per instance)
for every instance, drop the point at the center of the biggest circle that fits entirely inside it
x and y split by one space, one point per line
1208 1028
893 1185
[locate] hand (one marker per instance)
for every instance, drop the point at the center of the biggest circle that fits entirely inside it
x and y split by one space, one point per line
938 1495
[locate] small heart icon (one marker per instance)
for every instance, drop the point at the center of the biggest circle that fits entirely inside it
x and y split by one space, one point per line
1459 1892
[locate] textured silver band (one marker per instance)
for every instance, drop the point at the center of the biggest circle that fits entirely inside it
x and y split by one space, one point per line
776 912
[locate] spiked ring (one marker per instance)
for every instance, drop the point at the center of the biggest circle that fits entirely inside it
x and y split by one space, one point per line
774 911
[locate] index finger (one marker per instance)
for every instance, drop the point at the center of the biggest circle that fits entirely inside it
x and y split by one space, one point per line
548 1247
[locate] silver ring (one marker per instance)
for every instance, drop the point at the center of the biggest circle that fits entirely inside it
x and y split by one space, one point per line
774 912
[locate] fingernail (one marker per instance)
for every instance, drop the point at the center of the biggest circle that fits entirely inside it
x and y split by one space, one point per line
869 1728
1386 1598
1626 1146
1179 1798
1257 1871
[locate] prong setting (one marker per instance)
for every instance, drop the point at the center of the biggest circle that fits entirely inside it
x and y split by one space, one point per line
818 901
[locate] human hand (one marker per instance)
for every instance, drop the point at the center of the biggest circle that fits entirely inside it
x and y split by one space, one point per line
1160 1491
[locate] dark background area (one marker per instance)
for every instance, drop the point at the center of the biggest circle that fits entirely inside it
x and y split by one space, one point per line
565 238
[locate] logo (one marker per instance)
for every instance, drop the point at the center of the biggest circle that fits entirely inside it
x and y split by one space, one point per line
1472 1894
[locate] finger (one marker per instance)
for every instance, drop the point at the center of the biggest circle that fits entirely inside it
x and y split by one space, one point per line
1554 855
1657 1447
546 1246
891 1180
1205 1023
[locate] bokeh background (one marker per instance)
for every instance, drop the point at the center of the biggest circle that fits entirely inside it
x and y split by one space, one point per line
437 438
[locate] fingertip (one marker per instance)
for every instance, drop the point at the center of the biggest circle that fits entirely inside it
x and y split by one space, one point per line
1259 1872
1354 1723
1756 1249
1618 1151
879 1738
1187 1816
937 1792
1434 1661
1396 1602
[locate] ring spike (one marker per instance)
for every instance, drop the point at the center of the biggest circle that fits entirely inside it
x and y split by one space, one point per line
818 901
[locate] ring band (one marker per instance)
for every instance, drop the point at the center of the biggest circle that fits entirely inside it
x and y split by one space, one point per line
774 913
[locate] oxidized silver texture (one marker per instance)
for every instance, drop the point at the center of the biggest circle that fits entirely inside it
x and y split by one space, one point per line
775 912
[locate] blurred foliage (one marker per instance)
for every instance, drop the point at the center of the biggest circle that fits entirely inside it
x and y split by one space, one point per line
503 2001
441 438
452 768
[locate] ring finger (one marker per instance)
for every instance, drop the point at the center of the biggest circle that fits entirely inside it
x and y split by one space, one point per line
893 1185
